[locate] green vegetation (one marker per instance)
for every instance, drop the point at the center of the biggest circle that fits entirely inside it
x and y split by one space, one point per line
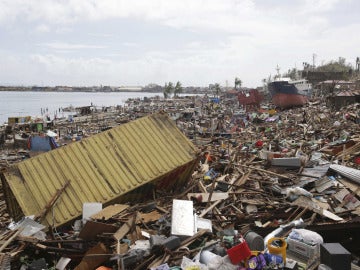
217 89
335 66
169 89
178 89
238 83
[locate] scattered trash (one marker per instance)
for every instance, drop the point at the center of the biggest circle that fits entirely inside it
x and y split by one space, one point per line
244 190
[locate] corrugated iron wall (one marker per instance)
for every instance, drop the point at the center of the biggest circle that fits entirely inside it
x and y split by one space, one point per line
103 167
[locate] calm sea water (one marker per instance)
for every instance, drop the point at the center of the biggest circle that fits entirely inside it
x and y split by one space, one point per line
13 104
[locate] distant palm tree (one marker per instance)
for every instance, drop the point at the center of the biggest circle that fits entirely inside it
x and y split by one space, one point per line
178 89
238 83
168 89
217 89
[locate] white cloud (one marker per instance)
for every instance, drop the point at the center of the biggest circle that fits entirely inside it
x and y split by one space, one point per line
229 38
180 13
131 44
320 6
70 46
42 28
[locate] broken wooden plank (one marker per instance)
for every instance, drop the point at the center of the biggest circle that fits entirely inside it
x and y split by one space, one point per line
110 211
313 206
205 196
265 171
125 228
91 262
149 217
92 228
205 211
11 238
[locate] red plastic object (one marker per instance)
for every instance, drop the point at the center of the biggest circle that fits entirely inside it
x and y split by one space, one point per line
259 143
357 160
239 253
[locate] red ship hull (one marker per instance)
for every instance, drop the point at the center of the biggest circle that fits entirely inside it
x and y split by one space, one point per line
283 100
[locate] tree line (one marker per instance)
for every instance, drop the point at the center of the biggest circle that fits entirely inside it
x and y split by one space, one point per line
170 89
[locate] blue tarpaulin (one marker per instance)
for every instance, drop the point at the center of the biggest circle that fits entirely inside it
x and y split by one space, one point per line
215 100
40 143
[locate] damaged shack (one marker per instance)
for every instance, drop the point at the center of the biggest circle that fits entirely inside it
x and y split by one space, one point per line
114 166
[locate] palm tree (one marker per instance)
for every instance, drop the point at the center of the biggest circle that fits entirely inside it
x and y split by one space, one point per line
217 89
168 89
178 89
238 83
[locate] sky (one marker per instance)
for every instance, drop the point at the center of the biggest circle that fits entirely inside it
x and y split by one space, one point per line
196 42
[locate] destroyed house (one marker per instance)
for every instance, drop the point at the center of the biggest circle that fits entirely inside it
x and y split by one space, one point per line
122 164
19 120
344 98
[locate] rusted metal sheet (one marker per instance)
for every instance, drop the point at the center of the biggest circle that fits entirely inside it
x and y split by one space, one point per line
103 168
252 97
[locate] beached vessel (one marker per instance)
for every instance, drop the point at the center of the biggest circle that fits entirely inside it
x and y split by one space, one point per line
286 92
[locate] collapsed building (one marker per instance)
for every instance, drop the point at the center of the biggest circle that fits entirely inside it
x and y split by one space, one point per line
166 203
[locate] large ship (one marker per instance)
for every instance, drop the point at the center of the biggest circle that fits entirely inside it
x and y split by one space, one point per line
286 93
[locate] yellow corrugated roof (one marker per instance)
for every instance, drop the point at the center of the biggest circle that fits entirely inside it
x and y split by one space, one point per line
100 168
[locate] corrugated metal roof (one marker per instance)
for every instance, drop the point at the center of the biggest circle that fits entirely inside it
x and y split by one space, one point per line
348 93
101 168
351 173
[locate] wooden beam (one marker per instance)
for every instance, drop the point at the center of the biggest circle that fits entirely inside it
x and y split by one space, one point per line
50 204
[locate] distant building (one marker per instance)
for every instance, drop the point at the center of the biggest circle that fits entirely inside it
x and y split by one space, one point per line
343 98
129 88
63 88
19 120
332 87
152 87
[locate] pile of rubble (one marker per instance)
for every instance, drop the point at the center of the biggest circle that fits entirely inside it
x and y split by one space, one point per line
266 183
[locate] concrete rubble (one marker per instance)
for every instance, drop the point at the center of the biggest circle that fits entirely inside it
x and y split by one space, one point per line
271 190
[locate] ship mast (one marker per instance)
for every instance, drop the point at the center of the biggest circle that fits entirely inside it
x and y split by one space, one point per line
278 71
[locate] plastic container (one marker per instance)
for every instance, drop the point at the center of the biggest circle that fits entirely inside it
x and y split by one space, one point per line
207 256
277 249
255 241
256 262
273 259
239 252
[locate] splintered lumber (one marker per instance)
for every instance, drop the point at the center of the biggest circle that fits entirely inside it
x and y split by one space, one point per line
265 171
191 239
242 180
313 206
211 192
205 211
11 238
91 262
124 229
165 257
348 151
110 211
206 196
